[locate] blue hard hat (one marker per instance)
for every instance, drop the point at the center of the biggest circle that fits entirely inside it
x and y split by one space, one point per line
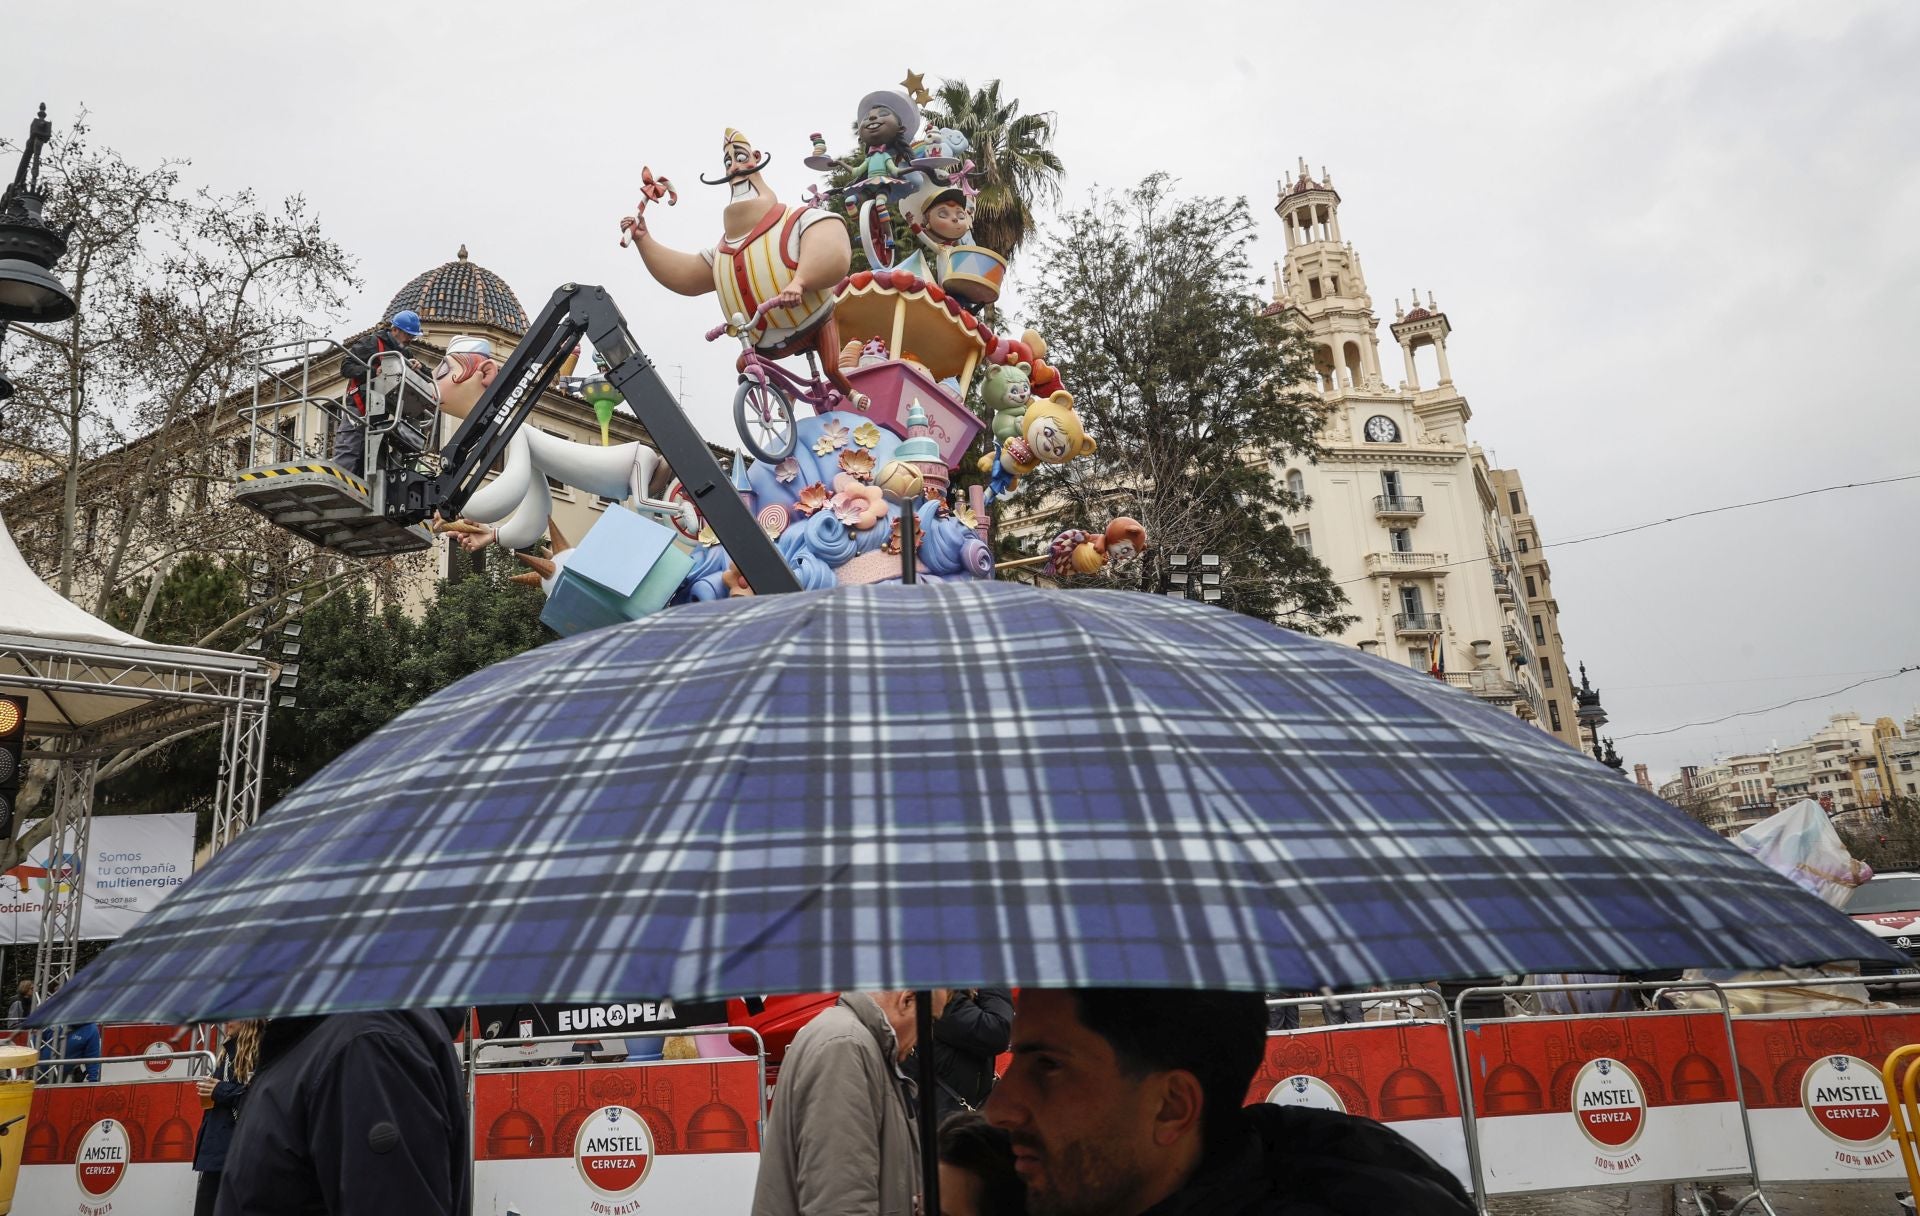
407 322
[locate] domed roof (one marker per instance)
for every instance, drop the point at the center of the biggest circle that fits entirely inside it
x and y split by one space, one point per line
462 293
1416 313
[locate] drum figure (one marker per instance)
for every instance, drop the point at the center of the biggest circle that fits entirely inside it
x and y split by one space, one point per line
968 272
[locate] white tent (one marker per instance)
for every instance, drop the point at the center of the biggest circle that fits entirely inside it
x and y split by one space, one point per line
93 690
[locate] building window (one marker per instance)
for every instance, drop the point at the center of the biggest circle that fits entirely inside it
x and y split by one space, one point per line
1553 714
1539 633
1523 544
1513 500
1390 483
1296 484
1410 601
1546 673
1402 539
1304 538
1419 658
1531 593
1313 287
1333 284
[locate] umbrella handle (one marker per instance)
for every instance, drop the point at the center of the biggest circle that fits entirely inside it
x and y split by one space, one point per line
929 1083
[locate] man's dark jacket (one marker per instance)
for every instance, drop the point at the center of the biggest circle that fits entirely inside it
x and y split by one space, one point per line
1296 1161
357 367
967 1038
358 1114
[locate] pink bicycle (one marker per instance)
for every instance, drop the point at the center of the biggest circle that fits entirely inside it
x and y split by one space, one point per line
763 404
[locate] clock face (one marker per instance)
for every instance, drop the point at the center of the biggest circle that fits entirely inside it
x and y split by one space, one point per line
1382 429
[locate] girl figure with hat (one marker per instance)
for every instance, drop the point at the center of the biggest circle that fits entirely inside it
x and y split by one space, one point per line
885 125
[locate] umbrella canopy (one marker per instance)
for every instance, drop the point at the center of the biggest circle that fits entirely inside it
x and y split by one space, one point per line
933 786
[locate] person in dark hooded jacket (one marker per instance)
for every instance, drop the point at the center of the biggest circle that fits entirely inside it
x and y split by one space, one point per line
1130 1102
969 1037
357 1114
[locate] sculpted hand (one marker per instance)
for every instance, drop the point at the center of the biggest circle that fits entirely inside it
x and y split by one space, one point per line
633 229
788 297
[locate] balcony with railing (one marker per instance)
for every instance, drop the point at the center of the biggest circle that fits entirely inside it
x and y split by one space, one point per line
1407 623
1487 685
1394 562
1519 645
1399 506
1503 589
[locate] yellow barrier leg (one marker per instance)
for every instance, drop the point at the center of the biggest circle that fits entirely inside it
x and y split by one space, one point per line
1904 1106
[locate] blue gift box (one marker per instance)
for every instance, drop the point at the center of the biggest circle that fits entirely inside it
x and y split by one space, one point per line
625 567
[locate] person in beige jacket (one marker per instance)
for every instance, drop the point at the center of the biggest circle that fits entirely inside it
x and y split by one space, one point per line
840 1140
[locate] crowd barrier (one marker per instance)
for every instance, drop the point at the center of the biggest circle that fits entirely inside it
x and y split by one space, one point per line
1401 1072
1579 1101
124 1147
1511 1105
596 1137
1812 1086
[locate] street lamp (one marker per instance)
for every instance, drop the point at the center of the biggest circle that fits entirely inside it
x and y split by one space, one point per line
29 247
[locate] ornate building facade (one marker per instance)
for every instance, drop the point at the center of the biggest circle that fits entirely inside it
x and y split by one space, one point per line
1437 551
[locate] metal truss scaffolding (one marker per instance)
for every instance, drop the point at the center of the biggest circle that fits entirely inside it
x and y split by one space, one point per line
60 916
91 700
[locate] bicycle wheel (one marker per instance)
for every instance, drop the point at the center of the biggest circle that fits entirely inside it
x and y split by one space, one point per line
763 415
876 233
677 493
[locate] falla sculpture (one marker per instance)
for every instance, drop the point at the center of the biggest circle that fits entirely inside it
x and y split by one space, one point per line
895 363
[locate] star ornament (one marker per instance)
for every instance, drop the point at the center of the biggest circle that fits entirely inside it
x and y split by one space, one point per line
916 86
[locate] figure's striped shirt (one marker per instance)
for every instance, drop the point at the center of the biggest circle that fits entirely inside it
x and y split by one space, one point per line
759 266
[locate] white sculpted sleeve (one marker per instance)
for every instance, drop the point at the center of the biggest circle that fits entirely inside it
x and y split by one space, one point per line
516 501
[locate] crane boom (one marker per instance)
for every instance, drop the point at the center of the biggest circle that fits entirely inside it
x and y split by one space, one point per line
409 496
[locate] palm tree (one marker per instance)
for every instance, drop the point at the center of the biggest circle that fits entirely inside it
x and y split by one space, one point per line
1014 163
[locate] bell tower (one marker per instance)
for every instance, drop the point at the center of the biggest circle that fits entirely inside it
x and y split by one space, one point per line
1321 280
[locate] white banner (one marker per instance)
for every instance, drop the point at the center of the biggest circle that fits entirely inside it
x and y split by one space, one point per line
133 862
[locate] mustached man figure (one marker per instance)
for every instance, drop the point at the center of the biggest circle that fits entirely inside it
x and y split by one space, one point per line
787 259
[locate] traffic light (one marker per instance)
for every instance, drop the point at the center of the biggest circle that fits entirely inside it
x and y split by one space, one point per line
13 745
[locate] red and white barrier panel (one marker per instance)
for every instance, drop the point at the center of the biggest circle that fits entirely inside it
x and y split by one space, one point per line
1563 1102
668 1136
110 1150
1399 1073
144 1052
1814 1095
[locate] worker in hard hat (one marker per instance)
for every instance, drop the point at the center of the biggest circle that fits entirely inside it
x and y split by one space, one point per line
350 438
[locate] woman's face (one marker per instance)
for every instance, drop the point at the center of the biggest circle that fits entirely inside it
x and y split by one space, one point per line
959 1191
230 1029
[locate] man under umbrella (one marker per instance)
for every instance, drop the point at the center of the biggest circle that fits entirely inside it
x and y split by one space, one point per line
1129 1102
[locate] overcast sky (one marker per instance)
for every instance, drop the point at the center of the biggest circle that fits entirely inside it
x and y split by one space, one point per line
1676 241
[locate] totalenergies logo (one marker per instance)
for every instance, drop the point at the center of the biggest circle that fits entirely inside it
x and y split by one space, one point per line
103 1158
614 1151
1304 1090
1845 1099
1610 1105
63 870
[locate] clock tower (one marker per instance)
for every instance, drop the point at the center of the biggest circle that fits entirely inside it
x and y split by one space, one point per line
1402 505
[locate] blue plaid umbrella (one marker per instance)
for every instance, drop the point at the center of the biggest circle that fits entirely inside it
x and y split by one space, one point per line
947 785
